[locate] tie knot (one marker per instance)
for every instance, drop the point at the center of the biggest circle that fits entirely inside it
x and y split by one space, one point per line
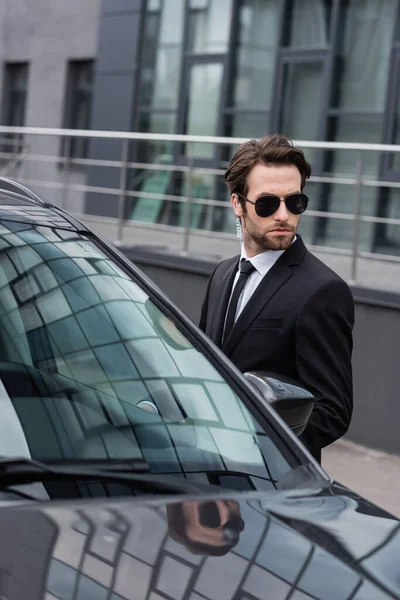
246 267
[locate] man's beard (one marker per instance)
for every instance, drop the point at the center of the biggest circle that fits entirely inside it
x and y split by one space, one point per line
260 242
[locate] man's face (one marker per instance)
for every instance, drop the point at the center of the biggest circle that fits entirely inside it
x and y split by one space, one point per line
206 522
277 231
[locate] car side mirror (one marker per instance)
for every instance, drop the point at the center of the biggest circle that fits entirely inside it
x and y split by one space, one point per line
292 401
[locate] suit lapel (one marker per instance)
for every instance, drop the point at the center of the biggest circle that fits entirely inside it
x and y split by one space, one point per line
282 270
222 306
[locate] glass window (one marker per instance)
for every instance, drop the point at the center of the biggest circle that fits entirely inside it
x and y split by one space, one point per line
96 376
7 267
203 186
79 293
157 181
394 157
143 352
116 362
158 99
31 318
339 197
46 278
103 284
309 223
195 402
308 23
48 251
67 335
230 412
149 52
161 55
53 305
388 235
31 236
78 106
359 88
209 25
86 266
161 393
167 68
16 82
364 58
128 328
256 54
361 128
24 258
14 103
191 364
203 105
248 125
84 367
157 151
97 326
303 87
25 288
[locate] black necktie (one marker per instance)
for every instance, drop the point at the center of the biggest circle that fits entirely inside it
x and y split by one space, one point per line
246 268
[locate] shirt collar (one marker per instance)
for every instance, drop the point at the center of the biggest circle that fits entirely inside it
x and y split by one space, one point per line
265 260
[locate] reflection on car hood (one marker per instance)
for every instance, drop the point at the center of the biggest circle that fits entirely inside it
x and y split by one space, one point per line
322 543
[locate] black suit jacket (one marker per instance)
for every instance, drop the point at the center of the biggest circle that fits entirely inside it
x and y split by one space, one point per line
299 323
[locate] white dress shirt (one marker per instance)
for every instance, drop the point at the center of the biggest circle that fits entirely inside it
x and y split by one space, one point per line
263 263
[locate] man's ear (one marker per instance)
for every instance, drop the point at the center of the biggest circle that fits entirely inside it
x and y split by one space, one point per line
237 207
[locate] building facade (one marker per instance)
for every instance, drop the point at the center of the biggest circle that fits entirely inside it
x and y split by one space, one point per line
311 69
47 51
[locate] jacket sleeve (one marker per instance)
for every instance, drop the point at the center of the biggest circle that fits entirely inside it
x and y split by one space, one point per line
324 347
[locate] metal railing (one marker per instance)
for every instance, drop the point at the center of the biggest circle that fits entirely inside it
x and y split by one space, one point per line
62 179
12 158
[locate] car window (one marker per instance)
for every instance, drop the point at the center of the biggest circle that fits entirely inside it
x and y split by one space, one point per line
94 369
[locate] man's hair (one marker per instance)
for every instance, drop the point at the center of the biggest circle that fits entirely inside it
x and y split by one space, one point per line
271 150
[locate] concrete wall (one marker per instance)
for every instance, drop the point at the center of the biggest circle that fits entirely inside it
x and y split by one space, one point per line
376 353
47 34
376 372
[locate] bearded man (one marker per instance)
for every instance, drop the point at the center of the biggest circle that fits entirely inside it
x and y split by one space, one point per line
276 307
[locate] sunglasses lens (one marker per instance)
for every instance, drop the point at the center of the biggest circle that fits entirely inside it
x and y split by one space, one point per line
267 205
297 203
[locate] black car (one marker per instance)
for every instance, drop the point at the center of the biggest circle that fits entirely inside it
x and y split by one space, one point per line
137 462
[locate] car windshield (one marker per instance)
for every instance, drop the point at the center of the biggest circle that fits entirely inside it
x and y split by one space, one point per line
91 368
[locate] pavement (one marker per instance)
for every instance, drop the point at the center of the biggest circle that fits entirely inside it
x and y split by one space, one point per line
372 474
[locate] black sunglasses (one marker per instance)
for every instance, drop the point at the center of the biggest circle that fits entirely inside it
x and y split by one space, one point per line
267 205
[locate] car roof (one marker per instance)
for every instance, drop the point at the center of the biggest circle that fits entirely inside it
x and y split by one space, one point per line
19 203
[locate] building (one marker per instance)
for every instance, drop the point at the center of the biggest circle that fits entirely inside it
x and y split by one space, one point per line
312 69
47 51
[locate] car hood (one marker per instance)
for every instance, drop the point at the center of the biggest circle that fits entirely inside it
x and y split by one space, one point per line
322 543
